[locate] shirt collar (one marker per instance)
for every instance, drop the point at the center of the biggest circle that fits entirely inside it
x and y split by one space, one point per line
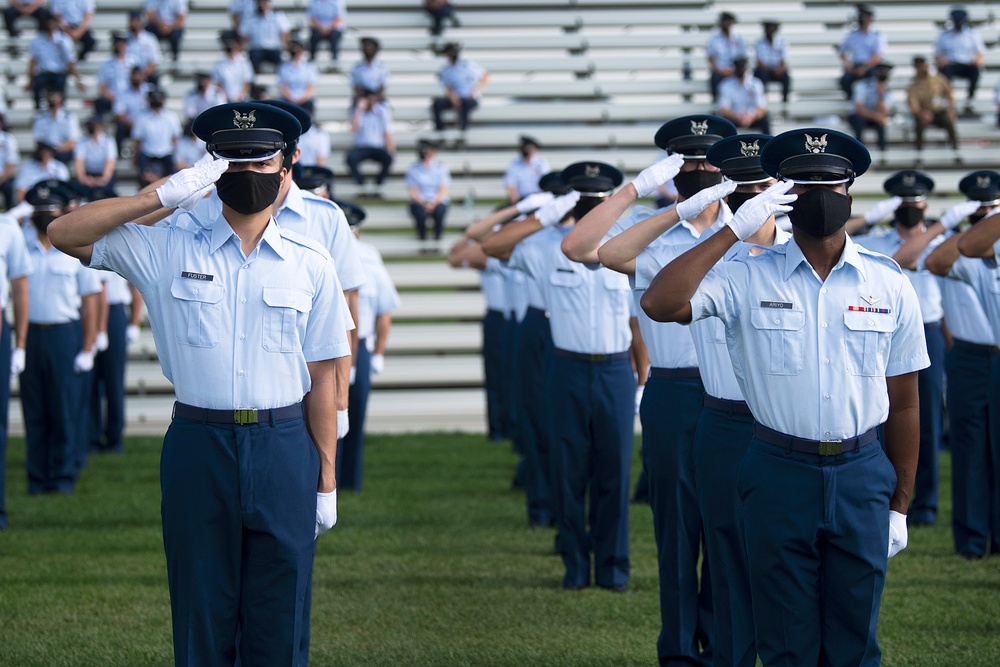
794 257
222 232
294 201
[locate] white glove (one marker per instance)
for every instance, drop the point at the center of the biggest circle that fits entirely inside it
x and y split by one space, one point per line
195 199
131 333
958 213
897 533
101 342
353 376
638 397
17 361
555 210
186 183
690 208
326 511
751 216
882 209
343 425
656 175
534 202
21 211
84 362
377 363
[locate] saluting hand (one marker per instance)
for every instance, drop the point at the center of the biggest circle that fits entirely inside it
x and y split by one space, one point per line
656 175
191 184
553 212
533 202
752 215
690 208
959 212
882 209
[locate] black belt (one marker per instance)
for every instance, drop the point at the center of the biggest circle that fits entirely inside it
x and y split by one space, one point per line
976 347
239 416
675 373
591 358
537 311
727 406
819 447
52 325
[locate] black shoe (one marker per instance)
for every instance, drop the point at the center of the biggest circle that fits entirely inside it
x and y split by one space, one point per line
573 587
971 555
617 588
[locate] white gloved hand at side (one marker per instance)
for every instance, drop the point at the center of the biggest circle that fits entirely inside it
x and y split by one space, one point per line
690 208
189 185
638 397
101 342
17 361
882 209
897 533
552 213
657 174
84 362
326 511
131 333
21 211
533 202
751 215
957 213
377 363
343 425
353 376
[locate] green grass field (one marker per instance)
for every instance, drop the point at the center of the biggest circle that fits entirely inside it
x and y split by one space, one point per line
432 565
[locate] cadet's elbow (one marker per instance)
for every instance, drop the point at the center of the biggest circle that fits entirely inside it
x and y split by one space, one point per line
496 250
653 310
569 248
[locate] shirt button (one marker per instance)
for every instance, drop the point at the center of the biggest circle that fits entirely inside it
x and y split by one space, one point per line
826 361
291 299
825 325
871 323
827 433
246 266
822 290
826 396
243 300
242 373
194 291
777 320
244 337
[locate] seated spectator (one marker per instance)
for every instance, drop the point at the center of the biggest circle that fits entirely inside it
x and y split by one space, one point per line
94 161
931 102
74 20
724 46
155 133
129 106
266 35
742 99
18 8
259 92
862 49
439 10
189 148
427 183
239 10
143 49
165 19
58 127
521 178
369 73
771 52
327 20
959 53
233 73
314 147
113 75
371 124
9 158
872 101
42 165
53 58
298 77
463 82
204 96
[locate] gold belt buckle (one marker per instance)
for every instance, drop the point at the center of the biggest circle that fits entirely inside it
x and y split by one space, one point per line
597 358
245 416
830 447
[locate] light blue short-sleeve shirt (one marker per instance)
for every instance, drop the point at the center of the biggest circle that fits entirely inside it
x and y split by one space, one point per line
15 261
57 284
428 179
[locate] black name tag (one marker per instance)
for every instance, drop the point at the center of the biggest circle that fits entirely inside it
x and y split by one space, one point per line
565 270
197 276
776 304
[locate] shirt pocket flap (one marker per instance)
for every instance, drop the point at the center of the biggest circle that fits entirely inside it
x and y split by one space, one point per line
288 297
565 278
784 319
187 289
615 281
861 321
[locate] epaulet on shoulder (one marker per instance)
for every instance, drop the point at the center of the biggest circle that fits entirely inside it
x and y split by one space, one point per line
304 241
880 258
323 201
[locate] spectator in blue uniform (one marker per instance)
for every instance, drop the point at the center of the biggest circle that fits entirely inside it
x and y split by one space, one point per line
165 19
427 182
861 51
52 60
463 82
75 17
959 52
327 21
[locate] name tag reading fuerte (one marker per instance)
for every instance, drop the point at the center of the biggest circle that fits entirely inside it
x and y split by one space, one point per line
776 304
197 276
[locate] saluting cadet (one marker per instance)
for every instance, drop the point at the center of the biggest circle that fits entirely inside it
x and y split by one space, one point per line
672 400
63 308
908 222
590 380
248 319
834 330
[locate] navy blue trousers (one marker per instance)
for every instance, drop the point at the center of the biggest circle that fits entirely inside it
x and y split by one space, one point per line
508 388
975 473
5 348
669 411
54 407
239 516
107 397
492 356
817 531
534 349
720 443
350 449
930 385
593 409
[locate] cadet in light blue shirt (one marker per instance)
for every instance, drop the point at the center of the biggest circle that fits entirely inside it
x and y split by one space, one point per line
427 183
521 178
862 49
234 73
143 48
959 52
52 59
94 161
742 100
165 19
298 78
825 350
369 73
723 48
771 52
872 105
155 132
74 19
266 33
113 75
371 122
58 127
327 20
463 82
43 165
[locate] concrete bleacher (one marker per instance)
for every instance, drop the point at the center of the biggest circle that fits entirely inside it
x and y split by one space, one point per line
592 79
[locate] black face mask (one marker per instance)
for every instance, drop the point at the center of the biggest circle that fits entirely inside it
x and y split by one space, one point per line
908 216
820 212
690 183
737 199
41 221
248 192
525 153
586 205
976 217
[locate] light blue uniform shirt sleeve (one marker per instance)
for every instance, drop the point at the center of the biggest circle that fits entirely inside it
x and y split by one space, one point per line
89 281
908 347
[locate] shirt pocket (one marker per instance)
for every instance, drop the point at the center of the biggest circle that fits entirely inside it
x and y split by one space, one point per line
715 330
199 310
782 329
619 290
568 293
868 338
284 317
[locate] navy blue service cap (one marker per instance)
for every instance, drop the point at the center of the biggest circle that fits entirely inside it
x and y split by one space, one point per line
738 158
815 155
553 182
691 136
910 184
355 214
313 177
982 186
301 115
959 14
592 179
246 131
49 195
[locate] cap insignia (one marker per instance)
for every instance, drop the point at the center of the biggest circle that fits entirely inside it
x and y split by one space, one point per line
983 181
750 150
592 171
244 121
814 145
44 192
699 129
909 180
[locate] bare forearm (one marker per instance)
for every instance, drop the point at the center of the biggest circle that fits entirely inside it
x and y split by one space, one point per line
343 380
75 232
910 252
321 421
619 253
668 297
383 323
501 244
136 314
581 244
478 230
352 306
942 258
979 239
89 311
19 295
902 437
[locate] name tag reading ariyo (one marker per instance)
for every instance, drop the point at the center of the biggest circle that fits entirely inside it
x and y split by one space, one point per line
783 305
197 276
